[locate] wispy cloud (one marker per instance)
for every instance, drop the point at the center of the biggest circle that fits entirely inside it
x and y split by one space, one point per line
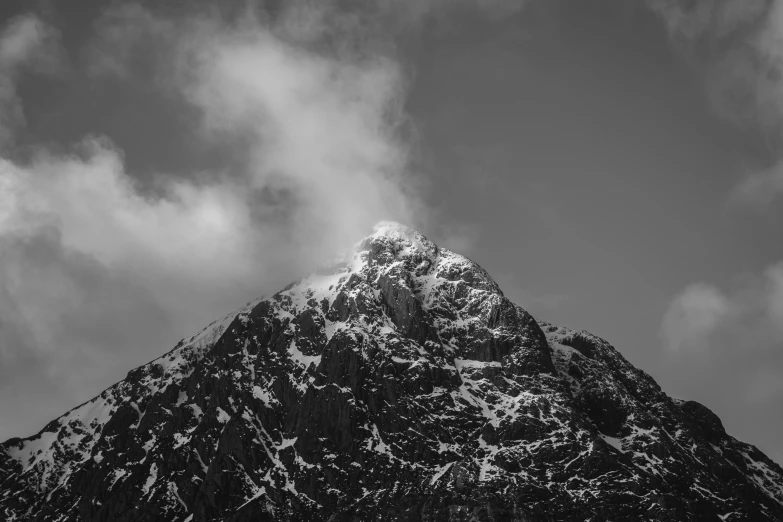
98 272
761 188
25 42
738 45
694 316
739 326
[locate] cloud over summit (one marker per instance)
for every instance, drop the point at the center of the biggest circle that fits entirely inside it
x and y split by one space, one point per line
318 161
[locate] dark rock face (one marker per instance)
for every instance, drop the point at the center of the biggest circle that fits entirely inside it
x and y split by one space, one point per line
402 385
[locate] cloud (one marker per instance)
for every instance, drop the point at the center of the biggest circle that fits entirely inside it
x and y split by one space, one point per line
760 189
723 343
748 314
99 271
693 24
90 267
738 44
321 128
25 42
124 33
97 210
737 329
53 296
723 348
693 316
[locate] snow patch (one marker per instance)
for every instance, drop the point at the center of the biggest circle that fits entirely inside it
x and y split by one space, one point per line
302 359
438 474
264 396
394 230
153 476
222 416
614 442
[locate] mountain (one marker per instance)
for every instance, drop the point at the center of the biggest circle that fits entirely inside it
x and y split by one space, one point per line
399 384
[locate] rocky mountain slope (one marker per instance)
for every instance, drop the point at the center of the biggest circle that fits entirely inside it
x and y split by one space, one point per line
398 385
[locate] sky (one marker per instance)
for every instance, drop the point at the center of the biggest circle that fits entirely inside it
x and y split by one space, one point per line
615 165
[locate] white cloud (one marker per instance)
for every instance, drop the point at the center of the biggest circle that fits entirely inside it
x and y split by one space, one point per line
693 316
748 316
723 346
739 330
322 128
20 38
98 273
81 244
93 203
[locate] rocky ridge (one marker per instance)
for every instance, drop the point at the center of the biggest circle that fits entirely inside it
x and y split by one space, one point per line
399 384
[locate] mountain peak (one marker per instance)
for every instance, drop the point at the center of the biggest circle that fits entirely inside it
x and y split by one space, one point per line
392 229
395 232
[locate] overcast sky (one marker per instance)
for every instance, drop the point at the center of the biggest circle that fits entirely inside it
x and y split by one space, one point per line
613 164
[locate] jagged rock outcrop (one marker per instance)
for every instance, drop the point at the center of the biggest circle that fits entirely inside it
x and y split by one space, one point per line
399 385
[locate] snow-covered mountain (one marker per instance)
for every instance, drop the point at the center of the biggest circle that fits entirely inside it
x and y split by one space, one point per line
399 384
